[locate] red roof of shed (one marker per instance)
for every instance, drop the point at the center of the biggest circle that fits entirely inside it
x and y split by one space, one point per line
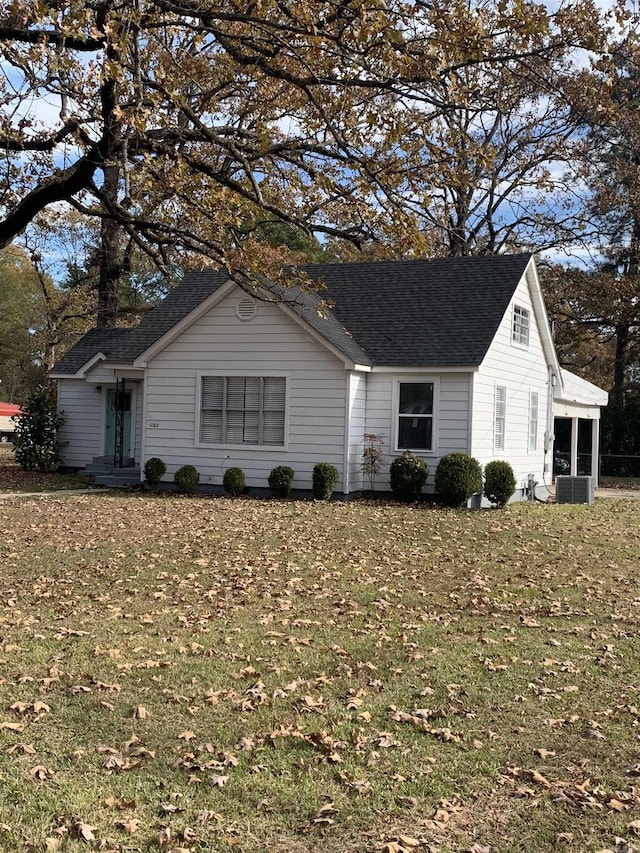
8 409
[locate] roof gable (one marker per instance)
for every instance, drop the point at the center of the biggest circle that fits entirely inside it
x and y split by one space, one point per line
412 313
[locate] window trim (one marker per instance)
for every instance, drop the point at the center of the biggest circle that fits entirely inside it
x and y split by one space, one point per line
226 373
532 446
517 326
497 448
395 414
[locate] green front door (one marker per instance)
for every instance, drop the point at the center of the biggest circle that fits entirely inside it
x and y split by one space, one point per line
110 430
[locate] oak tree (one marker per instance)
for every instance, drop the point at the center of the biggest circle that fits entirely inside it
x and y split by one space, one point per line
173 123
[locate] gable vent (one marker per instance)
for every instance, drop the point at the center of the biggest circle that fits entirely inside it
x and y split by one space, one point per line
246 308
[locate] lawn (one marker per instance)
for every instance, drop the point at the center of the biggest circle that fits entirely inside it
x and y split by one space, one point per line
14 479
210 674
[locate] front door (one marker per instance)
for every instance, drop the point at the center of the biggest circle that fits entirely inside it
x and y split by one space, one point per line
110 430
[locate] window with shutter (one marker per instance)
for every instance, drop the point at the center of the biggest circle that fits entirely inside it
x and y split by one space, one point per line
247 410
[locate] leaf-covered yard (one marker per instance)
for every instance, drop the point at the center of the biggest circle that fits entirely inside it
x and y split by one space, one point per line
14 479
215 674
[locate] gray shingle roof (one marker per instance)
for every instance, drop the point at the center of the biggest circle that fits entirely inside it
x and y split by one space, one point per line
436 313
123 346
105 341
441 312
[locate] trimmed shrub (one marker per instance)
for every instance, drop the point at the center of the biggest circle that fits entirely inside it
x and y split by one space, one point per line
186 479
154 471
325 477
36 439
499 482
408 474
280 480
458 476
233 481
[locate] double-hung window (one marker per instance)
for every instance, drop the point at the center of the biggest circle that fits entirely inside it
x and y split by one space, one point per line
520 326
247 410
533 420
415 416
500 418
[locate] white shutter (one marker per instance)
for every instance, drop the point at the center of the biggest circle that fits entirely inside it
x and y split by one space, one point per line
274 393
211 427
212 390
243 427
252 394
243 410
274 396
251 432
500 417
235 393
533 421
211 409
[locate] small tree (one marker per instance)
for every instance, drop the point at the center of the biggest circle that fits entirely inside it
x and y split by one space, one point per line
37 435
499 482
372 458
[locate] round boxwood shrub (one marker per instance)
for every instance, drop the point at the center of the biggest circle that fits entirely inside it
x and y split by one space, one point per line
233 481
325 477
499 482
280 480
458 476
154 471
408 475
186 479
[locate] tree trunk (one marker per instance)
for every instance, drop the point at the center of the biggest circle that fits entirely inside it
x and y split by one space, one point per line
110 265
109 256
616 397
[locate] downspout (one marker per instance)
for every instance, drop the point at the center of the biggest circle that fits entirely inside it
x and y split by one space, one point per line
346 475
549 436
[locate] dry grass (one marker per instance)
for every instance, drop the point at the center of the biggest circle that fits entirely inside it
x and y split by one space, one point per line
217 674
14 479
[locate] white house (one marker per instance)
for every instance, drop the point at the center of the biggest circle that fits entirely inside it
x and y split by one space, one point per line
452 354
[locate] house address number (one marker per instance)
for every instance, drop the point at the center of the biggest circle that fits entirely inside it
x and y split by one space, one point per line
154 424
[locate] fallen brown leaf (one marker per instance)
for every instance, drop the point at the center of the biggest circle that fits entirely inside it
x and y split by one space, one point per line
119 803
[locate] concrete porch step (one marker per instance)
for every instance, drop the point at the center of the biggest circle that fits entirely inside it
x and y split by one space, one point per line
104 473
119 477
104 465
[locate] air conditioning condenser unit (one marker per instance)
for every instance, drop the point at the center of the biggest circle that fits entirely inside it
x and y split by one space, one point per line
575 490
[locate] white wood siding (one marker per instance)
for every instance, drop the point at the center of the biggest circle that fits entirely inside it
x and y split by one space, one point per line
102 374
451 422
520 370
357 427
83 429
271 344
